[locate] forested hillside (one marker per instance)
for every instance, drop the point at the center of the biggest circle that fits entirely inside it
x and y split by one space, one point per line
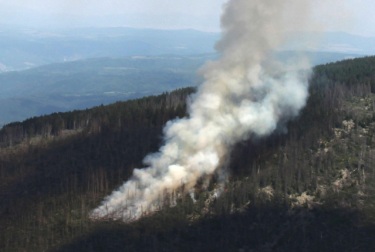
308 187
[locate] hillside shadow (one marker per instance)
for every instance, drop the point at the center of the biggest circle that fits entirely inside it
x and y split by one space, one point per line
265 228
76 165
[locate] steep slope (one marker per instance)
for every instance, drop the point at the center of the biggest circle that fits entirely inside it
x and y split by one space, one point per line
308 187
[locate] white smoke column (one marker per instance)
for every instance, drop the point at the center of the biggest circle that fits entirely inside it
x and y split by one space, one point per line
246 92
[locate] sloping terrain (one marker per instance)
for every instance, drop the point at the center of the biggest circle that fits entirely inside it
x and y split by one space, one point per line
81 68
307 187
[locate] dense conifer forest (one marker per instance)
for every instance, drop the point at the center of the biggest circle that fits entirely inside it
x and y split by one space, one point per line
307 187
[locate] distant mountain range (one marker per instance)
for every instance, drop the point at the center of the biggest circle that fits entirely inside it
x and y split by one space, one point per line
26 48
338 42
91 82
81 68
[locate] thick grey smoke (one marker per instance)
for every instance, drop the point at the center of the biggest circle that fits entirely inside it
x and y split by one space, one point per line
246 93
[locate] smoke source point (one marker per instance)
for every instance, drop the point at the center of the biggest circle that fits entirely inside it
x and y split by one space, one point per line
246 92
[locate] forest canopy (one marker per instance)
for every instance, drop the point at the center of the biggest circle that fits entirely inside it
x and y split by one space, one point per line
309 187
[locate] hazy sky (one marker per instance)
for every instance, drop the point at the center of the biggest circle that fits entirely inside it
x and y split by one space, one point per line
355 16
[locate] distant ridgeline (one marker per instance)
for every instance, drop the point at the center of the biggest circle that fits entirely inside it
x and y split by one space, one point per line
82 84
310 188
357 75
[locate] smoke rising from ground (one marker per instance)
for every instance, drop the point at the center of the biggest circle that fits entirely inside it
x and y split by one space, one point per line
246 92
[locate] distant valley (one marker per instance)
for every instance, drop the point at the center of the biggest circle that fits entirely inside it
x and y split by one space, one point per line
60 71
87 83
26 48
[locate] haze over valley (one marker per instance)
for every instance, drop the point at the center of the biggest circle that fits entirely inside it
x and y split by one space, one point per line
158 125
45 71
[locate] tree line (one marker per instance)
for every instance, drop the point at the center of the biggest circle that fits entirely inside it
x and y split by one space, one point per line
56 168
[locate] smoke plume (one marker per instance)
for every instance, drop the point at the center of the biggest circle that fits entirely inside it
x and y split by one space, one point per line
246 92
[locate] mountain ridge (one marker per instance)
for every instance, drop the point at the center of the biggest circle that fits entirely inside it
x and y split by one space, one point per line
308 189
